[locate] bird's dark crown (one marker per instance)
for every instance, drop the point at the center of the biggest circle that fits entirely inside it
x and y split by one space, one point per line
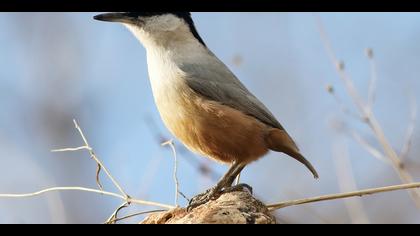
186 16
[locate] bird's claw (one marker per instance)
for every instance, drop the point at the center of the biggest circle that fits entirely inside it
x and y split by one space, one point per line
214 193
238 187
203 198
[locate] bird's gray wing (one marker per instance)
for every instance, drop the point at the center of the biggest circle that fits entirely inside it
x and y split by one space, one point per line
216 82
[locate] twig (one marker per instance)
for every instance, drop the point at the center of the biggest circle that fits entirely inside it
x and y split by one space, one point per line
55 189
373 78
114 215
410 129
347 182
123 195
71 149
149 203
132 215
198 165
83 189
88 148
368 115
307 209
94 157
175 173
98 180
127 199
368 147
330 89
361 193
100 165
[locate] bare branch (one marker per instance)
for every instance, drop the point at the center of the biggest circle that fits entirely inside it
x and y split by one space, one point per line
98 180
191 159
127 199
133 215
347 182
114 216
149 203
368 147
330 89
373 78
325 39
368 115
175 173
56 189
98 168
71 149
99 162
361 193
410 129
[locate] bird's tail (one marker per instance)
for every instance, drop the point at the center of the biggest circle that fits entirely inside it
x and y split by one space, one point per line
278 140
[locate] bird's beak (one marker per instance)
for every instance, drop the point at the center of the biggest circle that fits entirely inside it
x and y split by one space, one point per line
122 17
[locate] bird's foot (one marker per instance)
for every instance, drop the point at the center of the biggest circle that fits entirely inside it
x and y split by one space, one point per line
210 194
214 193
238 187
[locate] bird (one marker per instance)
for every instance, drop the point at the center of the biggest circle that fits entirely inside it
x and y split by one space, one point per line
201 101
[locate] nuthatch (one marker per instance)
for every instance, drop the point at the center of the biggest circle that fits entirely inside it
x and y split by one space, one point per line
200 100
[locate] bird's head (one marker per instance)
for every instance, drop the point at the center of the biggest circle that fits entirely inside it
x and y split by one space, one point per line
156 27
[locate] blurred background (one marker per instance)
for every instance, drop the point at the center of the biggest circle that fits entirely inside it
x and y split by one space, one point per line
58 66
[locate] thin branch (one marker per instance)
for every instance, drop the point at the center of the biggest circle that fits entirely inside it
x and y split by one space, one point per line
347 182
127 199
368 115
170 143
149 203
98 168
361 193
57 189
71 149
114 215
100 165
410 129
98 180
133 215
198 165
373 78
331 90
368 147
307 209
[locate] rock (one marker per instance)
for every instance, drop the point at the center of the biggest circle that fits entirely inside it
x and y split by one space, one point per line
238 207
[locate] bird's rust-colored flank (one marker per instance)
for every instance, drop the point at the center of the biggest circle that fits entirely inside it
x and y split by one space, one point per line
223 133
215 130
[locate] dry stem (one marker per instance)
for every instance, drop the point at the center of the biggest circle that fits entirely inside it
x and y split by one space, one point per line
366 112
175 172
361 193
123 195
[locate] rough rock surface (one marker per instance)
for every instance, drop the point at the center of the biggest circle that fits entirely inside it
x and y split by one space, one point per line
238 207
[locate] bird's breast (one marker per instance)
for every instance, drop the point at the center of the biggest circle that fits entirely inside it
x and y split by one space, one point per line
206 127
170 92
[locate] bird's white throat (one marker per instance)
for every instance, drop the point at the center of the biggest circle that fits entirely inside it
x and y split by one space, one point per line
166 53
